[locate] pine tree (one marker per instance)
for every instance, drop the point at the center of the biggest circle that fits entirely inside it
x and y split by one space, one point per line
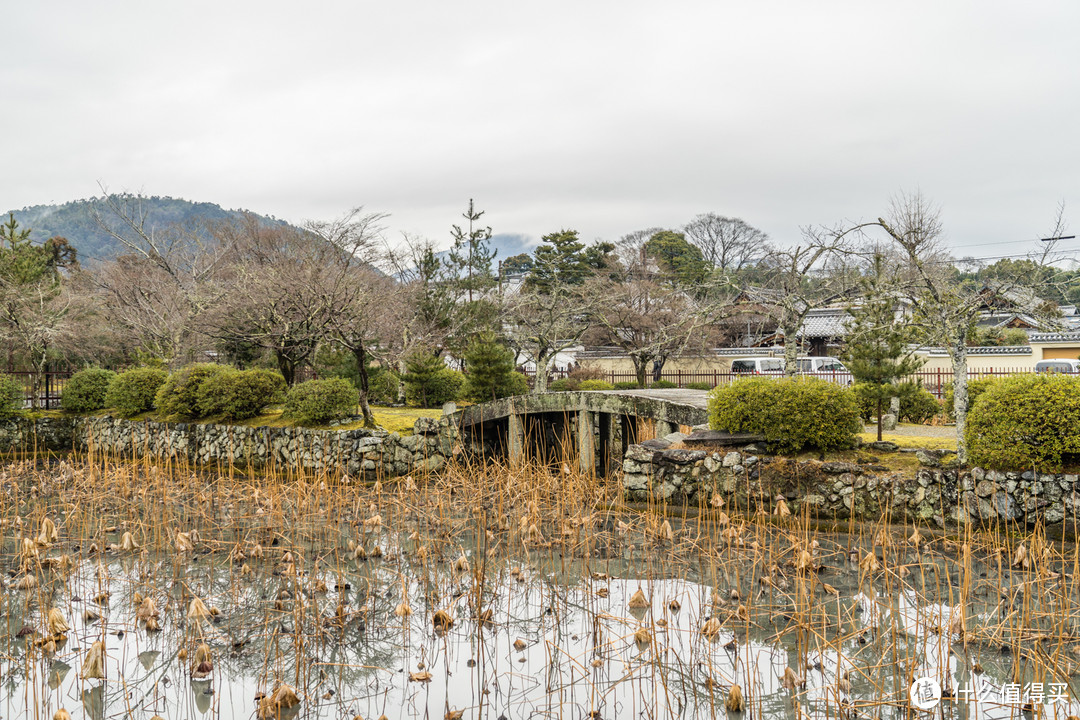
470 258
876 342
489 368
558 261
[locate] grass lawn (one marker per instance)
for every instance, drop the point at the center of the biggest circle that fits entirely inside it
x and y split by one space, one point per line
917 436
394 419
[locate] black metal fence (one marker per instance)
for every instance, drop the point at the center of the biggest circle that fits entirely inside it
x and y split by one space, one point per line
50 390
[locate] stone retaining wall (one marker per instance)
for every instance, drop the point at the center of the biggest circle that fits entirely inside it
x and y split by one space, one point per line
359 453
749 480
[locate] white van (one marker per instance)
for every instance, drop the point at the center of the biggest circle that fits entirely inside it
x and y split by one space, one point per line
1060 365
758 366
817 364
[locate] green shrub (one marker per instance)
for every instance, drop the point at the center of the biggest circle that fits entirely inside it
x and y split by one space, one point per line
917 404
630 385
595 385
700 386
975 389
85 390
12 396
563 385
179 395
1026 422
489 368
792 413
428 382
662 385
319 401
132 392
383 386
239 394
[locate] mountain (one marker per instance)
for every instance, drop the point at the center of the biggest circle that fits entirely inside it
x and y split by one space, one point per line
506 245
75 221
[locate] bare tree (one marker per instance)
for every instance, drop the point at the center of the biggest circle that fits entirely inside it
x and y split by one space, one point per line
943 310
541 324
164 279
805 277
727 244
648 321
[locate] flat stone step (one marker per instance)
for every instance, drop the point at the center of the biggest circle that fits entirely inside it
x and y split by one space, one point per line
720 438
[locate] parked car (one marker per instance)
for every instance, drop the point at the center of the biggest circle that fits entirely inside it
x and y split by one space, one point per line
1061 365
758 366
824 367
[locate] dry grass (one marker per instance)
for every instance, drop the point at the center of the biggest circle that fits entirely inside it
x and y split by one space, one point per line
412 597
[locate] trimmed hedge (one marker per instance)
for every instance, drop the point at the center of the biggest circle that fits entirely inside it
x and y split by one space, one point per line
179 396
563 385
663 385
1026 422
700 386
317 402
240 394
85 390
595 385
12 396
917 404
132 392
631 385
792 413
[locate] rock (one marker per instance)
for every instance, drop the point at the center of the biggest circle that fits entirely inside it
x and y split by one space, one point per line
675 438
883 446
712 464
635 481
750 460
432 463
757 448
656 444
984 489
888 422
1027 475
719 438
426 426
682 457
639 453
632 467
732 459
1006 508
839 468
1055 513
925 458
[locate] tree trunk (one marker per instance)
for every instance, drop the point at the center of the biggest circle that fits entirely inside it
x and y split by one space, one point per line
658 368
360 353
543 367
641 365
791 351
879 418
286 366
958 355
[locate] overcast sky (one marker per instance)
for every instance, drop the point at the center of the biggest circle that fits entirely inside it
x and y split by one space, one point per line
604 117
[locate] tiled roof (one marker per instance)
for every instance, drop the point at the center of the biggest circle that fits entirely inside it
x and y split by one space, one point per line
1050 337
989 350
826 323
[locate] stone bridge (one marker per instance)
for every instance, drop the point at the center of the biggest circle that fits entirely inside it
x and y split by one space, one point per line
594 426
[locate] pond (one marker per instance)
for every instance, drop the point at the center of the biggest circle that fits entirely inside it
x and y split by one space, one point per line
493 592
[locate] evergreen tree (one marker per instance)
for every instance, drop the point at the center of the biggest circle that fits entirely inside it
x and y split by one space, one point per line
559 261
470 257
875 348
681 262
489 368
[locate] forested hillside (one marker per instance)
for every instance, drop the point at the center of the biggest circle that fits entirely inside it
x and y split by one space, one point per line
75 221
